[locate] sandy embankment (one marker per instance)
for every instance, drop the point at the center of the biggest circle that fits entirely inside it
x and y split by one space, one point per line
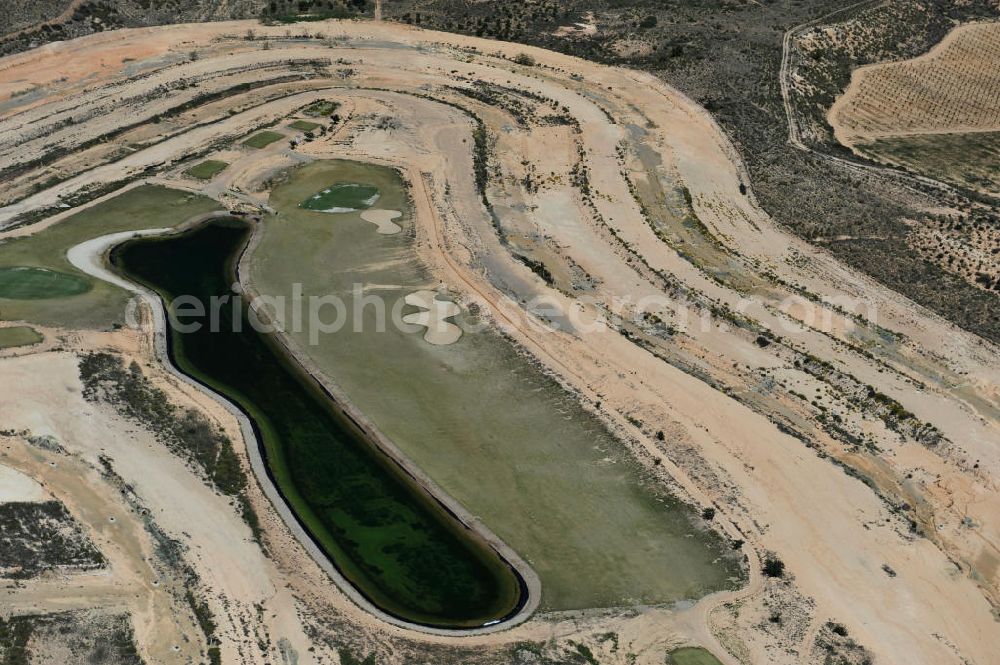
15 486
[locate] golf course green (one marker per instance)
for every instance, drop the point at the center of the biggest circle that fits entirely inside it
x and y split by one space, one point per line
30 283
343 197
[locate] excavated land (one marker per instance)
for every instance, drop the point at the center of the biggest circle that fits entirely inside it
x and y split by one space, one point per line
844 438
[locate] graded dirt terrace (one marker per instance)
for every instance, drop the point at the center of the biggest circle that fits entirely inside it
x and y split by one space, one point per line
618 201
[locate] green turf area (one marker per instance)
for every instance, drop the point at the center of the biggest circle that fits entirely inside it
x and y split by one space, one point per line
691 656
342 197
968 160
263 139
18 336
304 125
490 429
207 169
102 305
30 283
321 108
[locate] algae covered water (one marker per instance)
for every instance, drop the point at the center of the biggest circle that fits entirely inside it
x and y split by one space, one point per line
391 540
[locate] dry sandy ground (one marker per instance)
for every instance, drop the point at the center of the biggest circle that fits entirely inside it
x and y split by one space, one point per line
715 390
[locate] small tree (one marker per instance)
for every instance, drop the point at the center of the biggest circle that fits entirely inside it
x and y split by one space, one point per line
773 566
524 59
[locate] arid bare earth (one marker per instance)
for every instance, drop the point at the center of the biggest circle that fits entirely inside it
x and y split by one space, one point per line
907 561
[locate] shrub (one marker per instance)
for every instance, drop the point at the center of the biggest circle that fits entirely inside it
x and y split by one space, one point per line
773 566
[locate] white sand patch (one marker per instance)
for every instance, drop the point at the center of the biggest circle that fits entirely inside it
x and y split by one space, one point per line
440 332
383 220
15 486
89 256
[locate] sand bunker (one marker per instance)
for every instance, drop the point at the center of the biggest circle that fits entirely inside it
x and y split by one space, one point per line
15 486
439 331
383 220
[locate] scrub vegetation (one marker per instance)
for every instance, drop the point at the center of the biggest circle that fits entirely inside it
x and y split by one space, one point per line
728 58
39 537
966 160
90 637
188 433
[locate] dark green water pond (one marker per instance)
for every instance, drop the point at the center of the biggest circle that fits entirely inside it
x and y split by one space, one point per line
391 540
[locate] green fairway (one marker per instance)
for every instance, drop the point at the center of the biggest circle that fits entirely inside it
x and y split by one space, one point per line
18 336
342 197
691 656
263 139
102 305
321 108
30 283
507 442
208 169
304 125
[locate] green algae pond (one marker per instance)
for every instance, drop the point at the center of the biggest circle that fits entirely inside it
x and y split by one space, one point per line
399 548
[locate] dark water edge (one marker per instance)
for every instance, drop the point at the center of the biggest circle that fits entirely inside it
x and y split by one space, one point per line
397 545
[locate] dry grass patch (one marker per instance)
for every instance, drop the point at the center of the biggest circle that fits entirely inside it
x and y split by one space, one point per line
304 125
19 336
969 160
263 139
208 169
